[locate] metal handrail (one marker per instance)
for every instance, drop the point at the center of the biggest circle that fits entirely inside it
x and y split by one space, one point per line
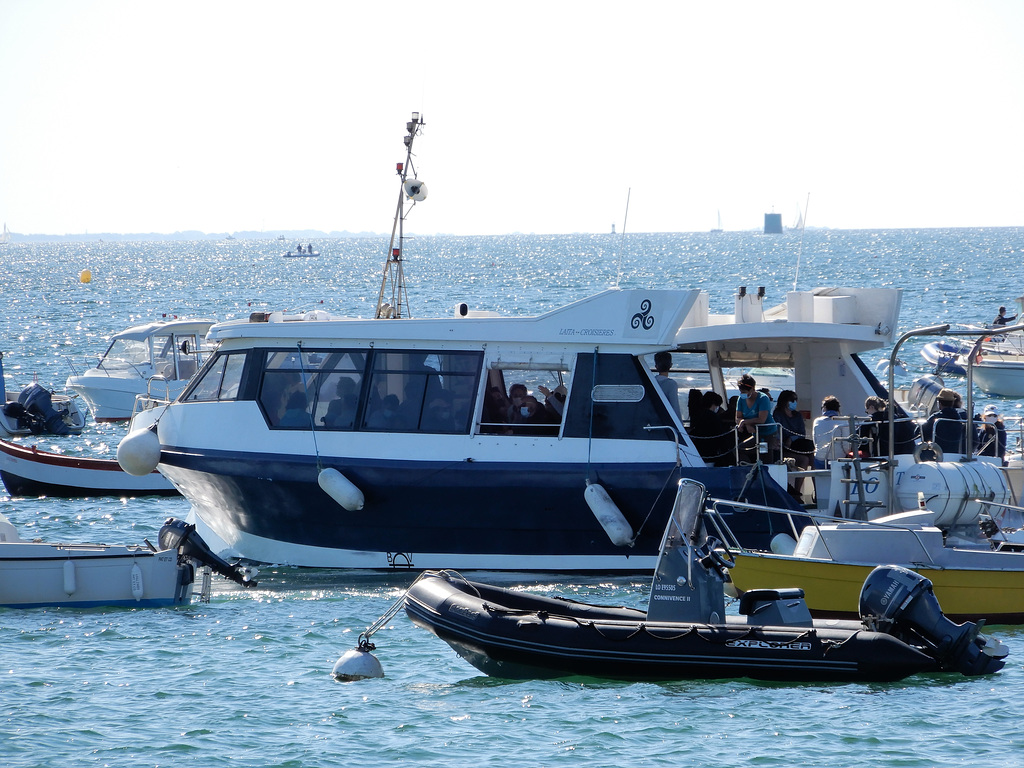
732 543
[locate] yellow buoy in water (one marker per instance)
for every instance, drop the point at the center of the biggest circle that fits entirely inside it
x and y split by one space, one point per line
85 276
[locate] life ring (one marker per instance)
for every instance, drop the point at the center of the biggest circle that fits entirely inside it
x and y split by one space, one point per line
932 447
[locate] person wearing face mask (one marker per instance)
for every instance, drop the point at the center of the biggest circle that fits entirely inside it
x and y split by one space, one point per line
516 393
711 431
878 428
795 444
438 416
531 418
754 420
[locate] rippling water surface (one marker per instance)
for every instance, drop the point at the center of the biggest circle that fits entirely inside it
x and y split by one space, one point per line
245 680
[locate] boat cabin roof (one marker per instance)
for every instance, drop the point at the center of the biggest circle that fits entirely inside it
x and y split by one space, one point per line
143 332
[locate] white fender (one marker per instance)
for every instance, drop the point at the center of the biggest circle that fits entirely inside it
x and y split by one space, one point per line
357 664
69 577
783 544
608 515
341 489
138 453
136 578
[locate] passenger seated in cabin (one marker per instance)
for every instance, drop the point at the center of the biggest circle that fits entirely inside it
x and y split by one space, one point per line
877 430
754 421
663 364
341 412
532 419
946 427
554 401
991 434
712 431
438 416
384 417
495 411
831 434
295 413
795 443
516 393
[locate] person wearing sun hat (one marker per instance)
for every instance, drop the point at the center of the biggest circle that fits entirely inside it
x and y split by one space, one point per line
991 433
946 426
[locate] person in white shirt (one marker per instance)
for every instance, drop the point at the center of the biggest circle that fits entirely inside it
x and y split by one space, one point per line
829 431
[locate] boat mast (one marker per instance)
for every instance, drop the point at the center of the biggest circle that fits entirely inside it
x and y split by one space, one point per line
393 300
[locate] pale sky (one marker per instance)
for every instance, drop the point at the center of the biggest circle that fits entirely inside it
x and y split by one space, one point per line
223 116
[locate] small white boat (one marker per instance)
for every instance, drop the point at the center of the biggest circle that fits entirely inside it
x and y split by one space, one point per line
36 410
28 471
1002 375
36 574
156 360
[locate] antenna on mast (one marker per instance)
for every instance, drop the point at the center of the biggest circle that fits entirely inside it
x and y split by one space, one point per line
393 300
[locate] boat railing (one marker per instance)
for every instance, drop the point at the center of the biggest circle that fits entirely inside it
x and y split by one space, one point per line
715 517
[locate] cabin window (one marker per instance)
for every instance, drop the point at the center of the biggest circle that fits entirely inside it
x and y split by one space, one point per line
221 380
304 389
543 388
613 398
125 353
385 390
414 391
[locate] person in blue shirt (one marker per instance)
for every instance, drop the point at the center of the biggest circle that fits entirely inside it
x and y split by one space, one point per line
754 420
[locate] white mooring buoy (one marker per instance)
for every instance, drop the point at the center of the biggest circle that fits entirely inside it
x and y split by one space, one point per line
357 664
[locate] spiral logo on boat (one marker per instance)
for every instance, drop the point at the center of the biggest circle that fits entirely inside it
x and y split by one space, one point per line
643 317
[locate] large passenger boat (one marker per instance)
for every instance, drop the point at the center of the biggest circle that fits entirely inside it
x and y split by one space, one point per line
399 442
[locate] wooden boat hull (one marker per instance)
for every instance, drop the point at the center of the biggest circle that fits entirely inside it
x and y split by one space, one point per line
833 588
27 471
520 636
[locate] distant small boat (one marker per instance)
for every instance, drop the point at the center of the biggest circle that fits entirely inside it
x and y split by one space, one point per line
719 227
5 238
26 470
300 251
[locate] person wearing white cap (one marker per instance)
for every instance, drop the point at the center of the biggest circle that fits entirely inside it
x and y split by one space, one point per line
991 434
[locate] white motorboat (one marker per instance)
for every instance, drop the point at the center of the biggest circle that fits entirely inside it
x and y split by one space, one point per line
156 359
324 441
36 574
27 470
36 410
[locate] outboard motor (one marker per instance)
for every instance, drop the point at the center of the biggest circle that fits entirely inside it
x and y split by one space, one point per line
899 601
182 536
38 402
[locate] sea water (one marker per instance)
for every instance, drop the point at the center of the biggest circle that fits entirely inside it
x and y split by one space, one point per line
244 680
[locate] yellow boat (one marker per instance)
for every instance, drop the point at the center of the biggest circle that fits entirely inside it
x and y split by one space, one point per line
832 588
976 565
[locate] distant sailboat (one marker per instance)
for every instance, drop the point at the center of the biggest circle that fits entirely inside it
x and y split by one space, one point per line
5 238
719 227
799 224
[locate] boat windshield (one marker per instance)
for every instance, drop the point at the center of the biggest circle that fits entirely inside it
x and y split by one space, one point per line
125 353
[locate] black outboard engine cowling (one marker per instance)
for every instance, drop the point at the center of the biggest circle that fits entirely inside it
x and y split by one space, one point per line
182 536
901 602
38 401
